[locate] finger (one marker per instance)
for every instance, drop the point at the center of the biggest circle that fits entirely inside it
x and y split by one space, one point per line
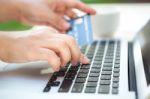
74 49
81 6
49 19
47 55
71 14
58 22
84 59
60 47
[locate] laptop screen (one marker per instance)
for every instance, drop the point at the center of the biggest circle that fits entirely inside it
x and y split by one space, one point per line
144 39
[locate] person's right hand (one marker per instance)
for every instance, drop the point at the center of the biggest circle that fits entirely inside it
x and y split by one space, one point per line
42 12
57 49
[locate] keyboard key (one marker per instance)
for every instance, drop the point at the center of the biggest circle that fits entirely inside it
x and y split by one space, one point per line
80 80
118 58
85 66
116 70
115 85
55 83
91 84
84 71
114 91
108 61
47 88
81 75
77 88
104 89
116 75
117 62
74 68
97 63
61 74
106 72
53 78
107 69
70 76
112 42
105 77
99 55
109 57
72 72
105 82
90 90
90 57
116 79
116 66
92 79
108 64
103 42
94 75
98 58
96 66
93 70
65 86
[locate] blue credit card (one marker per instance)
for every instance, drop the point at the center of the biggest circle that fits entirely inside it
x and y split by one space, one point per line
81 30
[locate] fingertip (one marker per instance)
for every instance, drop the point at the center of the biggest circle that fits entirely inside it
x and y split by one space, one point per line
84 60
56 69
83 7
55 64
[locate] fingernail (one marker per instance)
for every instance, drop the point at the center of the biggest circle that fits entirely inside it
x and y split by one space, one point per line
66 25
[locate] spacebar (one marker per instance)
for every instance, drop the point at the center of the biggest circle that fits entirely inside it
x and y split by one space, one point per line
65 86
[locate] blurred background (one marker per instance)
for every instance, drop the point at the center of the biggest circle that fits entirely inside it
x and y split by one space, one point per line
11 26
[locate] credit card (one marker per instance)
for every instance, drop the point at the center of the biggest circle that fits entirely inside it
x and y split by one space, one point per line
81 30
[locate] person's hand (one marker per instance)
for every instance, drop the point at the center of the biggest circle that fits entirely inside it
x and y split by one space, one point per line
43 12
58 49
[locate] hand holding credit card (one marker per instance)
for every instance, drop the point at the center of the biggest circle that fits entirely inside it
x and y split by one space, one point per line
81 30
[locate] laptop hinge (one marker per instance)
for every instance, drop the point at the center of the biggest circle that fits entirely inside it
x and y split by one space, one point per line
131 70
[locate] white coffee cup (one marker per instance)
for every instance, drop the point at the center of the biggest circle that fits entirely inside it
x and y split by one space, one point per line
106 21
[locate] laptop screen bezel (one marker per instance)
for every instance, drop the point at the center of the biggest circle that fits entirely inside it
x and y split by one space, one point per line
141 38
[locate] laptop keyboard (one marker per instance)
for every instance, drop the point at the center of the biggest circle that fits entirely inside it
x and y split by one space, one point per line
100 76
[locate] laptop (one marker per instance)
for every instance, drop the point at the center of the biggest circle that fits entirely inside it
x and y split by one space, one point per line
118 70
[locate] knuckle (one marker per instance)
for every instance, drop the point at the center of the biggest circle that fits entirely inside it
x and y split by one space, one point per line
62 44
